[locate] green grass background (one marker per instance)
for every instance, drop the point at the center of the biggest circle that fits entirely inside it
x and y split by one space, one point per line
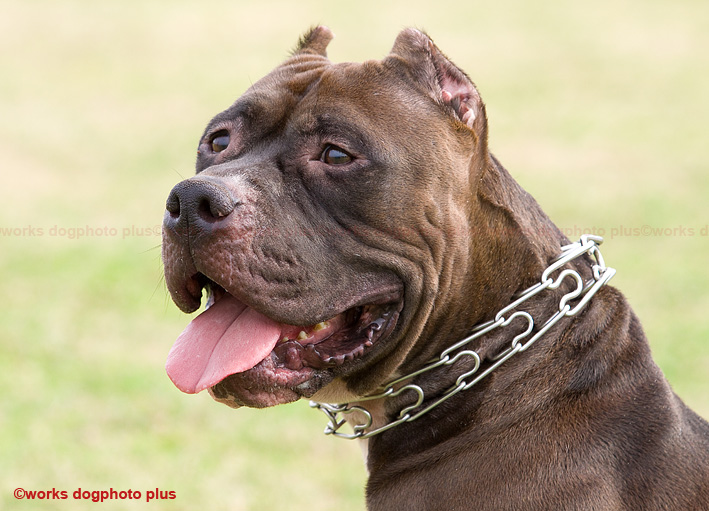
599 109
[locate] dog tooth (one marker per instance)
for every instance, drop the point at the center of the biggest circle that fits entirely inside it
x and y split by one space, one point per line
285 339
320 326
302 335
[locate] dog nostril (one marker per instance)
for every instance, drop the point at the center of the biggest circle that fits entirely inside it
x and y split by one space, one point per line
211 211
173 205
215 208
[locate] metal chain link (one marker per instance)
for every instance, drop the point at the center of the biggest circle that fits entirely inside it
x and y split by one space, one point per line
588 244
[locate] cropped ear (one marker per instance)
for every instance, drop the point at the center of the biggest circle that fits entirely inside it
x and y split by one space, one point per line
443 80
315 41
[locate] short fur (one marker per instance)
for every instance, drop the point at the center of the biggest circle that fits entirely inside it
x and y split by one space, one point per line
583 421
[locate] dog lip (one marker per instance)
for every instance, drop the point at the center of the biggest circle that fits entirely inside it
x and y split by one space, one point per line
188 297
391 293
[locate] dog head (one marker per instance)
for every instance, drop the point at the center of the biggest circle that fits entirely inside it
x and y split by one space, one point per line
329 225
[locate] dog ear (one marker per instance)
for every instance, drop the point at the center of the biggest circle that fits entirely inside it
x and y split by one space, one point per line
446 82
315 41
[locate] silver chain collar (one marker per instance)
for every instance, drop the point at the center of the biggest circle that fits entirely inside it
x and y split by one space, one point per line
588 244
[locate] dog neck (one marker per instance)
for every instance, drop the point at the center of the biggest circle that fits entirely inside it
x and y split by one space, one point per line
373 415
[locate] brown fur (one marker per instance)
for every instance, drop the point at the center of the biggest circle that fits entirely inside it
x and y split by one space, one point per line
584 420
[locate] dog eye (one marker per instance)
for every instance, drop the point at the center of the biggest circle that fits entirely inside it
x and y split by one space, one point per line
333 155
219 141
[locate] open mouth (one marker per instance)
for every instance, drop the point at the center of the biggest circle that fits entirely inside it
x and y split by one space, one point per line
232 339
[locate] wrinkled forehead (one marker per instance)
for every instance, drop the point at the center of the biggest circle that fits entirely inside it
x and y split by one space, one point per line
315 78
295 76
376 87
278 91
369 94
315 93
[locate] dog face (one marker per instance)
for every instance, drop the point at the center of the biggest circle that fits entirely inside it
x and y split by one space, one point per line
331 205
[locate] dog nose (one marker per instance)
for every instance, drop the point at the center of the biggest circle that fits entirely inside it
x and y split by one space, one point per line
199 203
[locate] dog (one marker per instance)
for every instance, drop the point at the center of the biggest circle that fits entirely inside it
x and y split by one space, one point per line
358 244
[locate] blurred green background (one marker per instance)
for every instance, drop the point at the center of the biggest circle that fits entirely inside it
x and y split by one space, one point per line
599 110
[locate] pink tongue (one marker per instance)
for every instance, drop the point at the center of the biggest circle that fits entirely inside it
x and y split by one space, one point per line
227 338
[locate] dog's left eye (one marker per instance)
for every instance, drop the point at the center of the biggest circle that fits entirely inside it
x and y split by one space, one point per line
333 155
219 141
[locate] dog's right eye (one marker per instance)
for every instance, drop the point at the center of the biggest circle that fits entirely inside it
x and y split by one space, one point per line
219 141
333 155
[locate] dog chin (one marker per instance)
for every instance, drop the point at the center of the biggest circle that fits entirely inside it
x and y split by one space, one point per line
267 385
